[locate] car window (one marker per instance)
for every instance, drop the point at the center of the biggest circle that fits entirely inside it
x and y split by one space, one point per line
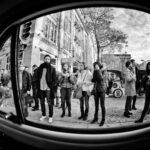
56 67
6 94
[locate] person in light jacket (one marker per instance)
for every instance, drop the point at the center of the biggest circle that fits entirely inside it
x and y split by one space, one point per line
66 84
84 81
130 90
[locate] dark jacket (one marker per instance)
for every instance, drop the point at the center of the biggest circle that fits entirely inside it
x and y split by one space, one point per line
50 77
98 81
26 81
34 78
146 84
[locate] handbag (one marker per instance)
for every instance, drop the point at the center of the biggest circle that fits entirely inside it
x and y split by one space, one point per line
29 98
93 92
77 93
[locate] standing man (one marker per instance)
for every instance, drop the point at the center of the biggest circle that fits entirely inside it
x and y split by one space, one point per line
46 80
129 88
25 86
135 71
34 87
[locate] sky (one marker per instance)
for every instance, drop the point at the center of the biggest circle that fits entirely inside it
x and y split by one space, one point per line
136 24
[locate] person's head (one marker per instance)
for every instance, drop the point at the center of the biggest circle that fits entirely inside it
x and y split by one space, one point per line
82 66
26 68
133 62
65 67
97 65
34 67
128 64
21 67
148 68
47 59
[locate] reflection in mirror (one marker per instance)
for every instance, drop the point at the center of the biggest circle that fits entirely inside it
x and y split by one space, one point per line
85 68
6 94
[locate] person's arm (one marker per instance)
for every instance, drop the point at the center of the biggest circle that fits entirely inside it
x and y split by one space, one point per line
144 80
29 81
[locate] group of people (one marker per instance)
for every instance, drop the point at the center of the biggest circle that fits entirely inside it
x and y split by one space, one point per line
45 81
131 86
4 86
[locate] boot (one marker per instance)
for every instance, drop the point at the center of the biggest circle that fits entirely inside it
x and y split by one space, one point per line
85 117
94 120
69 113
139 120
63 114
102 123
82 116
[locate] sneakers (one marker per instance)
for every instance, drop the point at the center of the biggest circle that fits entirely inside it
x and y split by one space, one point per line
50 120
42 118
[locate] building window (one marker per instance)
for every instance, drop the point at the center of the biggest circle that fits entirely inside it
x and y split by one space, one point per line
50 30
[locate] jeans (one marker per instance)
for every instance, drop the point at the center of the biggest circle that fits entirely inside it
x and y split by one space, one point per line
100 96
128 104
50 101
34 88
24 103
134 101
146 106
66 98
84 100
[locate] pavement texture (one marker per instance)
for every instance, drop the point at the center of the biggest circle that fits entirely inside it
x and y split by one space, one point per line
114 113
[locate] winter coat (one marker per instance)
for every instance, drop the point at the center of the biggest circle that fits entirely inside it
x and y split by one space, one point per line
98 80
130 80
84 79
66 82
26 81
50 78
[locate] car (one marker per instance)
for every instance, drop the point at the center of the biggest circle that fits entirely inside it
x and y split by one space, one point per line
23 133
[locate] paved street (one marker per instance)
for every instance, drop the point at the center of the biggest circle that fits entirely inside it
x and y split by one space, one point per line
114 114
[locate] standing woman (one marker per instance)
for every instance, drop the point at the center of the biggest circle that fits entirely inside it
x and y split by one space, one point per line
146 84
66 84
130 90
99 93
84 81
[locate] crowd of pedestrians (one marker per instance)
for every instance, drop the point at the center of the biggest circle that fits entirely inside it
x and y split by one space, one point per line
48 84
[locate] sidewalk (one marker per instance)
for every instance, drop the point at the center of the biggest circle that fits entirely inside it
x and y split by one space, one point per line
114 114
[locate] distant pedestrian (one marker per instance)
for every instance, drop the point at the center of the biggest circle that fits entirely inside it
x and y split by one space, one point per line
46 80
66 84
146 84
99 94
130 91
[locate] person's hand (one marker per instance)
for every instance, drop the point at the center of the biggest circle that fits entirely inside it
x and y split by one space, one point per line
28 92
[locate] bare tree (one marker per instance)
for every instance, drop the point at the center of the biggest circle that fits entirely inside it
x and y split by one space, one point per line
98 21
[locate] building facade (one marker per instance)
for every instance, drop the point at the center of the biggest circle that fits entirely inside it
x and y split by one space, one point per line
63 36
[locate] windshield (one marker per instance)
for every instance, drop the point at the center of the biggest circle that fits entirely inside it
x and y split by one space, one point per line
85 68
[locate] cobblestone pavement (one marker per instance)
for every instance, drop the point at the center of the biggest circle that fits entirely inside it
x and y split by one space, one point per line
114 114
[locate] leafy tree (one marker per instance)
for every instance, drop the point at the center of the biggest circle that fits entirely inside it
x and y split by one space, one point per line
98 21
